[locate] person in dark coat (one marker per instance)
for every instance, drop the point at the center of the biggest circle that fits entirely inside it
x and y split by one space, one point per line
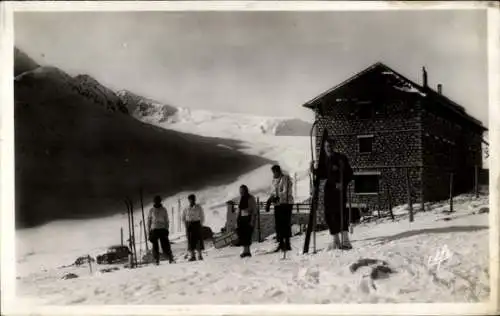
247 217
329 169
158 223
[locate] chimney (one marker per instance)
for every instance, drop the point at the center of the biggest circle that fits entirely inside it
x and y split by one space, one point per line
424 75
440 88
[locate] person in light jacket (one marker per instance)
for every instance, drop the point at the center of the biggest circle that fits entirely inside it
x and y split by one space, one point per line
282 197
158 224
247 217
193 218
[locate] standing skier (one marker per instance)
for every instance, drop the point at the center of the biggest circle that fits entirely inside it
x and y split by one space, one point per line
247 216
158 224
329 169
282 197
193 218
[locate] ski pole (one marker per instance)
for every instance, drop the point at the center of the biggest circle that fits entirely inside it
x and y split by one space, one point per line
131 262
144 221
341 163
133 249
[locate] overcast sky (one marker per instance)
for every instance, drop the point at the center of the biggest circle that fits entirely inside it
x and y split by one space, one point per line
265 63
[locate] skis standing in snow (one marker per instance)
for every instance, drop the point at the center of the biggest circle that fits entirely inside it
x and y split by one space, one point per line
247 216
282 197
335 169
193 217
158 224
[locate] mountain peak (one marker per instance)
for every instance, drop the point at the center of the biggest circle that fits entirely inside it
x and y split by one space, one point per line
22 62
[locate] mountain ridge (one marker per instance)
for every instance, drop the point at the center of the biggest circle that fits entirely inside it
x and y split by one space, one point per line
78 157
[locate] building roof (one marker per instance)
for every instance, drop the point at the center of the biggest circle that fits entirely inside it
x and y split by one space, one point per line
408 85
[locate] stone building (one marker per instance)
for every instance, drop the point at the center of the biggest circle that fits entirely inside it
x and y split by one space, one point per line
390 127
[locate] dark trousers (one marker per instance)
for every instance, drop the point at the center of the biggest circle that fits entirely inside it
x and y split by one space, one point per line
161 235
283 224
336 216
194 236
202 243
244 230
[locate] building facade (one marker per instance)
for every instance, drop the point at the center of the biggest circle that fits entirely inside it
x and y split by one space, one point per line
396 132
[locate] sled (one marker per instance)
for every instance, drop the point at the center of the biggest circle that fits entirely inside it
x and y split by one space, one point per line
225 239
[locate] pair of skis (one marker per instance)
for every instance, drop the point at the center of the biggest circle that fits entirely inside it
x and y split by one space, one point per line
315 181
131 229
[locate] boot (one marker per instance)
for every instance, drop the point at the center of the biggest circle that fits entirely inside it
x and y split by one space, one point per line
336 242
347 244
280 247
288 247
246 252
193 258
200 257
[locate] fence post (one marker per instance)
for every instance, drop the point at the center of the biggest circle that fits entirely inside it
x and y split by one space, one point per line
451 192
140 239
476 181
121 236
295 185
299 222
408 189
351 228
259 236
378 204
389 196
422 197
179 220
90 263
173 220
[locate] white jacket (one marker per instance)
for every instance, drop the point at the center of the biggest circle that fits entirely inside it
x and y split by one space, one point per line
282 188
158 218
192 214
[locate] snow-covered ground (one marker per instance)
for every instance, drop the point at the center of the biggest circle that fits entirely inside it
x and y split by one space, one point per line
61 242
224 278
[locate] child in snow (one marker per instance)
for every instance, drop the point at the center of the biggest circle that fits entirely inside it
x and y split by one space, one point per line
247 216
282 197
193 218
158 224
336 216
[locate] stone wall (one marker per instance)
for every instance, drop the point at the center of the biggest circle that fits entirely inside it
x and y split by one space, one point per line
450 145
397 143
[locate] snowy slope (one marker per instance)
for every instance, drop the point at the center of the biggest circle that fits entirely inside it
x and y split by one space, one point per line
169 116
35 245
323 278
237 123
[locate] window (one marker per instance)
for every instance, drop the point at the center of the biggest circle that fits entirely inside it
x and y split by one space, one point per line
365 143
366 183
365 111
